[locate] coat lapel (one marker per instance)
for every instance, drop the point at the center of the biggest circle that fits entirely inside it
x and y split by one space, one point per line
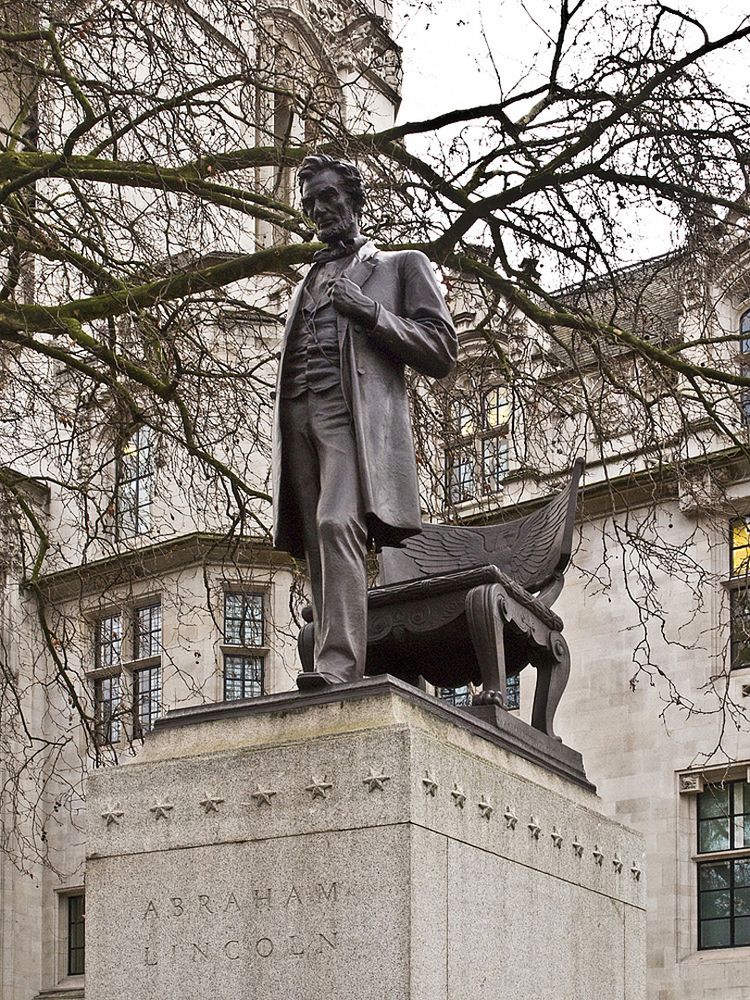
294 304
359 271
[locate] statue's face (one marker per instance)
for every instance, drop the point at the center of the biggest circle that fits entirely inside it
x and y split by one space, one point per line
326 201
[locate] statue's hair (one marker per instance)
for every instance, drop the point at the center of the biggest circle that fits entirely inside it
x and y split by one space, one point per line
313 164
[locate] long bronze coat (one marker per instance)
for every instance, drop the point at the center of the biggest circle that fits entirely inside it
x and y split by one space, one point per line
413 328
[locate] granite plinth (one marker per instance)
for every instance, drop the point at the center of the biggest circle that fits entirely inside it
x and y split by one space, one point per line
364 845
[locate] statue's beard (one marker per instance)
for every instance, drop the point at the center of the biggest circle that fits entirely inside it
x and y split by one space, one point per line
339 232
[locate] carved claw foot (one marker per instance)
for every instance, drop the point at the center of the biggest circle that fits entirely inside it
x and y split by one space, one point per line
489 698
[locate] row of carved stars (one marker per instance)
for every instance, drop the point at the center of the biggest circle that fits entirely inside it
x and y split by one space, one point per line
511 822
318 789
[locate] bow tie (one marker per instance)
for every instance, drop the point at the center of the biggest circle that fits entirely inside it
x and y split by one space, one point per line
335 251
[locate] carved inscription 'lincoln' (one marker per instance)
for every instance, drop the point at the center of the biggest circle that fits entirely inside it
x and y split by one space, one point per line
247 949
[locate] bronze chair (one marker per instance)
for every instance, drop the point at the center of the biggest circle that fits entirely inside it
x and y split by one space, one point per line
473 604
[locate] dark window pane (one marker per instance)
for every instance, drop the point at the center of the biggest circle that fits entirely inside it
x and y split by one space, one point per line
146 698
714 801
716 904
135 486
454 696
459 475
715 876
108 709
739 604
742 872
742 931
243 677
108 641
462 416
148 631
741 903
716 933
494 463
745 333
513 692
76 935
713 835
243 619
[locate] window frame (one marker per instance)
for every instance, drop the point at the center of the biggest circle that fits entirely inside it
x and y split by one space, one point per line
244 594
155 704
154 649
731 889
247 642
69 947
456 490
142 482
744 335
729 855
126 721
108 729
112 660
738 586
247 659
475 440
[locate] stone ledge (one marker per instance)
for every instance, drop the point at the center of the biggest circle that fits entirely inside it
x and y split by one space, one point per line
508 732
62 993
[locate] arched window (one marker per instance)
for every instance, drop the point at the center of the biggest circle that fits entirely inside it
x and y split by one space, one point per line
135 482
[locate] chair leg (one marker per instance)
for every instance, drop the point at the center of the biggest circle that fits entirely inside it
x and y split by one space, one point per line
486 631
552 672
306 647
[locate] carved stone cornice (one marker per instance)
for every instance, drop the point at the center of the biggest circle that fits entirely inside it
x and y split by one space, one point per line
126 567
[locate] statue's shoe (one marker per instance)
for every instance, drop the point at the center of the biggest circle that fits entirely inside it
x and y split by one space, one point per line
311 680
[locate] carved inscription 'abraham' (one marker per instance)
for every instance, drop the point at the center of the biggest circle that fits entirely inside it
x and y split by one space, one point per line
204 904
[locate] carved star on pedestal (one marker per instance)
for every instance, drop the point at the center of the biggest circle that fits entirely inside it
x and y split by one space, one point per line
113 815
210 805
598 856
556 837
534 828
635 871
485 808
510 818
374 781
319 788
617 863
161 810
262 796
578 848
459 798
430 785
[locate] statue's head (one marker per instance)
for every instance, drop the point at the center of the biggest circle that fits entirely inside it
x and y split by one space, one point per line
332 196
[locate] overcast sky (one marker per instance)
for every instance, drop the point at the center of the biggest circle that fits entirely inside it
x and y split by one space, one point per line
455 51
447 46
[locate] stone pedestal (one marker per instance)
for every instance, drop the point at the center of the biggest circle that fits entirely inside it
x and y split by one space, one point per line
369 843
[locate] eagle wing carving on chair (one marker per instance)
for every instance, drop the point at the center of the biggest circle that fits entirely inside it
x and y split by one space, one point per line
528 549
